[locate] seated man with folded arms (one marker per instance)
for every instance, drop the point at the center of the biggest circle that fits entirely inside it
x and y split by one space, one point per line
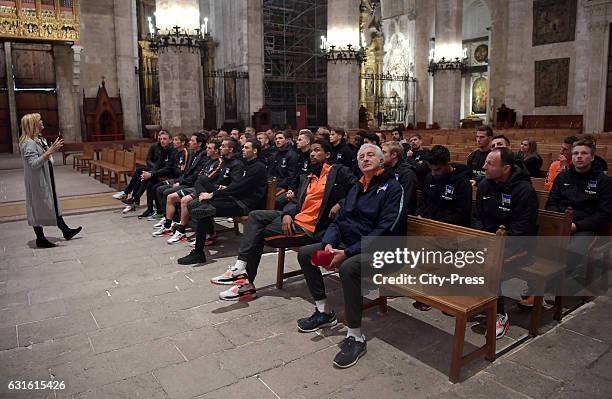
284 167
506 197
190 172
394 162
446 195
478 157
371 208
302 222
588 192
229 169
210 160
241 196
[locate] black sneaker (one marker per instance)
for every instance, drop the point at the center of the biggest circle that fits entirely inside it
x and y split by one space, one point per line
146 214
192 259
350 352
128 201
317 321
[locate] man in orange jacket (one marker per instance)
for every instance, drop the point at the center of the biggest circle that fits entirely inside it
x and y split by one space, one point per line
562 164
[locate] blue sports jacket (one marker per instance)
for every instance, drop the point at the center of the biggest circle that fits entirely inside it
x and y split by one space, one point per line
373 212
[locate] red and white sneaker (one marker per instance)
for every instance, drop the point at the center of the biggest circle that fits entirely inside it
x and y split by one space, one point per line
502 325
159 224
239 292
230 277
162 231
177 237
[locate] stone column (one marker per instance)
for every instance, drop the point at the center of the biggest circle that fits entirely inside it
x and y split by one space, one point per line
343 78
447 84
180 75
67 94
498 49
425 12
255 56
126 51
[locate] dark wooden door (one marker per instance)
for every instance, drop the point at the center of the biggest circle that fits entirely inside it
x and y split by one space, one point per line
6 144
35 89
608 118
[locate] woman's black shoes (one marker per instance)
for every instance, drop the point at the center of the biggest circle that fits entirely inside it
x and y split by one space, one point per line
69 233
44 243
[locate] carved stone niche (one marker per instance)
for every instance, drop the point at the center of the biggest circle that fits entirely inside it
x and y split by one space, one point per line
103 116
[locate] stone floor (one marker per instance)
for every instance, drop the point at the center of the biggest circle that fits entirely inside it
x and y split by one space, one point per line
112 314
68 182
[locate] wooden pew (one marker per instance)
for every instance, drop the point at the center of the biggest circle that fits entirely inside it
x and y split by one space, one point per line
543 269
81 162
461 307
117 165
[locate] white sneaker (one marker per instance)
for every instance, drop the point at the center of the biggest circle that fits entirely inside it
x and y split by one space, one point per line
162 231
177 237
120 195
159 224
128 209
230 276
239 292
192 243
501 327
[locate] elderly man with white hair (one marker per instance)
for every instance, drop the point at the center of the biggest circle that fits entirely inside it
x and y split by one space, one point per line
371 208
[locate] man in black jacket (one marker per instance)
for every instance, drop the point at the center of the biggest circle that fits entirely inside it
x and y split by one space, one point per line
417 156
197 160
506 198
588 192
447 191
165 167
393 159
238 199
302 222
304 140
341 152
284 167
213 176
152 158
476 160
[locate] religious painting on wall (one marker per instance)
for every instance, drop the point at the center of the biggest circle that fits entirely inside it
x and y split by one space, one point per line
480 94
551 82
231 107
554 21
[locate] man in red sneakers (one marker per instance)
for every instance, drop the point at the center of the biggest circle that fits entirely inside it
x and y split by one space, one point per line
302 222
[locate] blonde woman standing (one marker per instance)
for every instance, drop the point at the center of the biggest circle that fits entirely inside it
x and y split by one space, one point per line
41 198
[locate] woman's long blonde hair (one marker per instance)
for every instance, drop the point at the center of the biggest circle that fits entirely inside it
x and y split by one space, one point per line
29 127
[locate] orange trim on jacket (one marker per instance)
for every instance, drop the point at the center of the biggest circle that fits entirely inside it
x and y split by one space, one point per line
309 214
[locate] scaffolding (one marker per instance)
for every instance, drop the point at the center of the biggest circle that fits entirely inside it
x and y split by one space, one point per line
295 73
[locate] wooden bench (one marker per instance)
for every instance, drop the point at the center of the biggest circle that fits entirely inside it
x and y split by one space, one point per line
544 269
461 307
116 165
81 162
69 149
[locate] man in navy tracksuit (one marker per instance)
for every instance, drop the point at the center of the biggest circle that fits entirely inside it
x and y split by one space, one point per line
371 208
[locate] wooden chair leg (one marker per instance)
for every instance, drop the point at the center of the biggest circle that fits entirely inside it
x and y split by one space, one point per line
236 228
536 315
458 342
383 306
491 321
558 315
280 268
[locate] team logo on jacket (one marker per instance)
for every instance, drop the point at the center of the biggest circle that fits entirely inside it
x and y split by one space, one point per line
226 173
506 201
448 192
382 188
283 163
591 187
305 166
339 156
